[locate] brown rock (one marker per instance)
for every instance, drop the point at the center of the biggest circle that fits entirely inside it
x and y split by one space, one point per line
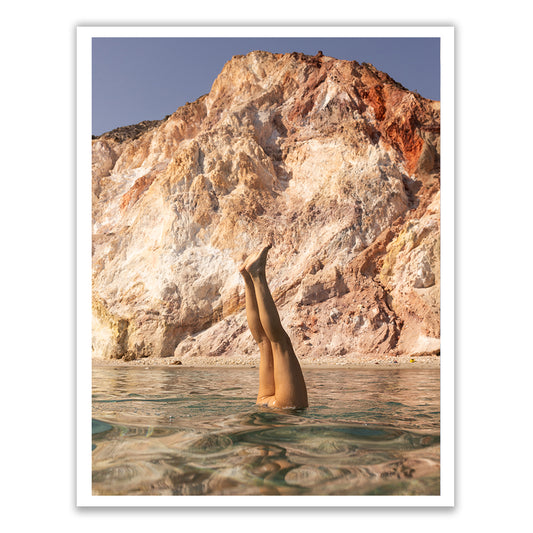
333 160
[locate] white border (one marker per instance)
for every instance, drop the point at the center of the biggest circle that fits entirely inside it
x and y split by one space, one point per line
84 195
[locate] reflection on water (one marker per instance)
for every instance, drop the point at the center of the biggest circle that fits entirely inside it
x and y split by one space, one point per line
197 431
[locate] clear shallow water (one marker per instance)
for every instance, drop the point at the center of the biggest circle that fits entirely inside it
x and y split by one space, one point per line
179 430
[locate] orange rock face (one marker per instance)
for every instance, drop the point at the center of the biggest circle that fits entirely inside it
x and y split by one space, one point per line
333 160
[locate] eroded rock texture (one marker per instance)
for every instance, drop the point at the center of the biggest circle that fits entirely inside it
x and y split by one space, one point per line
333 160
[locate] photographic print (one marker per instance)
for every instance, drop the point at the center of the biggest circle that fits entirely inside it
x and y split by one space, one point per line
265 302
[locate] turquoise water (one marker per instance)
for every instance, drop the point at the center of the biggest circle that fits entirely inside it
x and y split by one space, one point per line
180 430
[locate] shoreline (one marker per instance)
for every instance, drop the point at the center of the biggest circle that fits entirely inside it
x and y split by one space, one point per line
369 361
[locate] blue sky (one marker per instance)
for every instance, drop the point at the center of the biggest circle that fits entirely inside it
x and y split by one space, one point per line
137 79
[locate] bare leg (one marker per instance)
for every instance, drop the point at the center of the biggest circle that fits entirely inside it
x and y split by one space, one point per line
266 363
290 390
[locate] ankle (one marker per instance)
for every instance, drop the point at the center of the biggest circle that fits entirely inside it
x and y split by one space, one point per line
258 275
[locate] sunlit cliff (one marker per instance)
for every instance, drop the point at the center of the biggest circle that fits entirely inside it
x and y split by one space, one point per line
332 160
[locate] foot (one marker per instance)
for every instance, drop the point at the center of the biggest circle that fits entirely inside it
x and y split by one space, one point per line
256 263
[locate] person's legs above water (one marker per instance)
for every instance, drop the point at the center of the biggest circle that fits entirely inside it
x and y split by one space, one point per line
266 364
289 384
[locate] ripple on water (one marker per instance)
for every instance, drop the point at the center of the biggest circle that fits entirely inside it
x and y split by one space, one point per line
170 433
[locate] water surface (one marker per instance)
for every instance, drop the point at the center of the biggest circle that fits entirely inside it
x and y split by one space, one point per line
181 430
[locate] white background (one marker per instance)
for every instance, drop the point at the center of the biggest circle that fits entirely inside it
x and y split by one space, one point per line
492 294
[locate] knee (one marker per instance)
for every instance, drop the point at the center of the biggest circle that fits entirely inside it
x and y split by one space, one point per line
263 342
282 341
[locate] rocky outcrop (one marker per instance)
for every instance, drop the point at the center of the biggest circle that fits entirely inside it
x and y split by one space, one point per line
333 160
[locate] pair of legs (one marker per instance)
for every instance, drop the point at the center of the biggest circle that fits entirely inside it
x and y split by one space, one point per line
281 382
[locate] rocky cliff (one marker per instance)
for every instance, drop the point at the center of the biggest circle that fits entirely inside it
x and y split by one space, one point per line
333 160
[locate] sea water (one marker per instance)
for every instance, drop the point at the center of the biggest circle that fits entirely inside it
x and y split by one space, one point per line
193 431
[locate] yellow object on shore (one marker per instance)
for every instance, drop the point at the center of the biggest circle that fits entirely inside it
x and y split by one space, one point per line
411 360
